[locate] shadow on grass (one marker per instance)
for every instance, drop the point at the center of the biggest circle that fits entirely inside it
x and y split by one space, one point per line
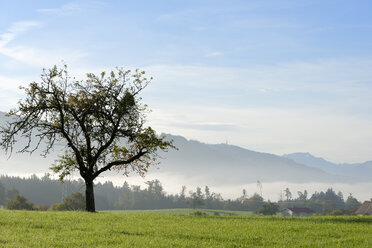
130 233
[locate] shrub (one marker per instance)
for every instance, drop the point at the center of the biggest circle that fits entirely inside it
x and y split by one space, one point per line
268 209
58 207
336 212
41 208
198 213
75 202
19 203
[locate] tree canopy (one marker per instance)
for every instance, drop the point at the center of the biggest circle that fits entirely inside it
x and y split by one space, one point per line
19 203
100 120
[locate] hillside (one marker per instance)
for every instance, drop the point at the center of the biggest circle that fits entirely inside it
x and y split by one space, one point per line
233 164
362 171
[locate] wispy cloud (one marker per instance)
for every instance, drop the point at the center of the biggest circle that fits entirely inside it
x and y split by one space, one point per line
30 55
63 10
16 29
17 52
318 75
260 23
214 54
73 7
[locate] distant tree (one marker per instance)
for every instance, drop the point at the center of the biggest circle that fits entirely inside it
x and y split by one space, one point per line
288 194
340 196
11 193
199 193
124 201
155 189
209 198
207 192
302 196
73 203
268 209
351 203
253 203
329 200
244 195
182 196
196 198
126 185
101 120
136 188
2 194
19 203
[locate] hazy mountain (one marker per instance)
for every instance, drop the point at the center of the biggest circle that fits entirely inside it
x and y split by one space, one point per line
218 164
362 171
233 164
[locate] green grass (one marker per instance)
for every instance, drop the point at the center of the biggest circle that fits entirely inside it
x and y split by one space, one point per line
187 211
144 229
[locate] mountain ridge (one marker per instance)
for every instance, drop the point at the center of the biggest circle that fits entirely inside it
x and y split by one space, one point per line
363 171
248 165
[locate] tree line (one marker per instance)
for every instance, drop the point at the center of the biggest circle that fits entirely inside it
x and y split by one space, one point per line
48 193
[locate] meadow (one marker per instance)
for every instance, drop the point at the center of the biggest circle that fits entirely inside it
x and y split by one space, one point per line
179 228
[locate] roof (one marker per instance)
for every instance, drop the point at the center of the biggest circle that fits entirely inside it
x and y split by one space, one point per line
301 210
365 208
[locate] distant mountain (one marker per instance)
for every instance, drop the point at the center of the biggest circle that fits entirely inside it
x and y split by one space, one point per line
207 163
362 171
233 164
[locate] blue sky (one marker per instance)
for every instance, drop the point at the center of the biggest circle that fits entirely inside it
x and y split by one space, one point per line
271 76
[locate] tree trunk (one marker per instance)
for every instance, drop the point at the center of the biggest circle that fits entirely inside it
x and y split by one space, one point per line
89 197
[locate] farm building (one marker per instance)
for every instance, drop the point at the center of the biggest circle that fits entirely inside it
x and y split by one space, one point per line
297 212
365 208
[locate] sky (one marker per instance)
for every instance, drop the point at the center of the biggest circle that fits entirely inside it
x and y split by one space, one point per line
270 76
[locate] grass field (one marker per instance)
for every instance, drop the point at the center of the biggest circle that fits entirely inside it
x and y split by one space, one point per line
146 229
187 211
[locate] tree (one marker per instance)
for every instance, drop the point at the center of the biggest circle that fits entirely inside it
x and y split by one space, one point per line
19 203
155 189
207 192
351 202
269 208
100 120
302 196
196 198
253 203
75 202
182 196
11 193
244 194
288 194
2 194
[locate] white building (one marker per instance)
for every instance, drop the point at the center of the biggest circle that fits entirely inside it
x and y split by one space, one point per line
297 212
